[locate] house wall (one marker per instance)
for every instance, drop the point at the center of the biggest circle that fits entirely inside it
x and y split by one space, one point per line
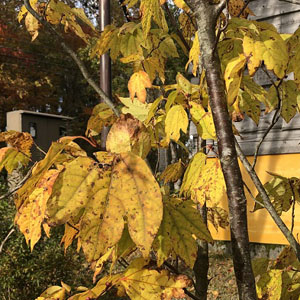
262 228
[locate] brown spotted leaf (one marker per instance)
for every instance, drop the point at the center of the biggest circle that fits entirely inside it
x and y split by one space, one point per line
181 222
141 283
31 214
128 135
134 189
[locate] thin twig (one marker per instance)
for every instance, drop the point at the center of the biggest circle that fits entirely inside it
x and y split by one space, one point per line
251 195
74 56
244 7
40 149
6 238
174 23
291 1
267 202
275 117
293 207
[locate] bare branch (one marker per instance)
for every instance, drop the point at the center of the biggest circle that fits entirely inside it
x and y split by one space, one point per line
173 21
6 238
292 1
275 117
74 56
293 207
244 7
267 202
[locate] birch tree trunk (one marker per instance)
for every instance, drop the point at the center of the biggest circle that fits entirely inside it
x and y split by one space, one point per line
206 15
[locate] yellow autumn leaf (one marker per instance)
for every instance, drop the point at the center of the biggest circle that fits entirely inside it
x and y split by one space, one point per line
269 47
210 186
203 121
69 235
176 120
233 77
192 173
181 4
22 141
136 108
172 173
41 168
270 284
102 115
151 10
103 285
128 134
181 222
194 55
137 85
11 159
143 201
54 292
141 283
30 215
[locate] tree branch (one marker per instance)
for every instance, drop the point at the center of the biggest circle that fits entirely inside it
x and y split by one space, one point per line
244 7
173 21
6 238
74 56
292 1
267 202
275 117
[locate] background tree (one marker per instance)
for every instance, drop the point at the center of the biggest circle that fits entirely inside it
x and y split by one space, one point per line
113 204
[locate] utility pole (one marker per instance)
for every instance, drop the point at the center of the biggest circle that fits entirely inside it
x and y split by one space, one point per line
105 62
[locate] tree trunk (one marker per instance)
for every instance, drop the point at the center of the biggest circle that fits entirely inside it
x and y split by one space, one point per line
206 15
201 265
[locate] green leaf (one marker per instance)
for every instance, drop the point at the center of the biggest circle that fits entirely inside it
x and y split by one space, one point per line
260 266
180 222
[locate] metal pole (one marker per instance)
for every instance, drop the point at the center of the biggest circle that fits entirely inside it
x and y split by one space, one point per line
105 63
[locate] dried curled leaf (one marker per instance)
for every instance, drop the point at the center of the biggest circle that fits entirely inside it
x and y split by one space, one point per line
218 217
128 134
22 141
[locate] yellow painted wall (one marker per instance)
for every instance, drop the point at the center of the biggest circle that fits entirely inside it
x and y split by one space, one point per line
262 228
